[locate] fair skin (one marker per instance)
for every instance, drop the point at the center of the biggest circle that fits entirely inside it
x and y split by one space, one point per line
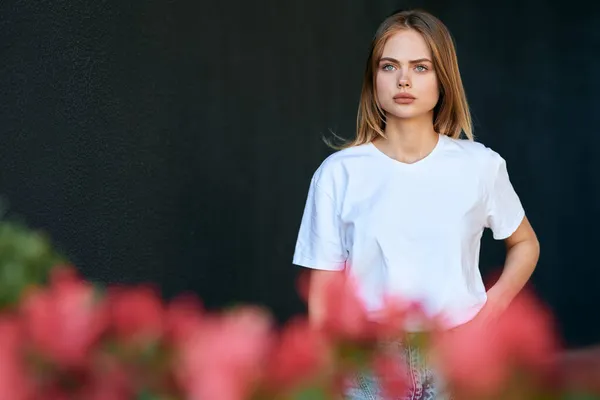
406 67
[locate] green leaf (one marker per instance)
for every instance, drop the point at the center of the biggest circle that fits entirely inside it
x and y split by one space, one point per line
420 340
26 258
145 395
148 395
310 393
580 396
353 354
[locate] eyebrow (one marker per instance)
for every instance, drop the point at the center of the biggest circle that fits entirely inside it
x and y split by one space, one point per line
420 60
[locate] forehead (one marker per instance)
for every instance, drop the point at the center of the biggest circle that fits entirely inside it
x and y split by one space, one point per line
406 44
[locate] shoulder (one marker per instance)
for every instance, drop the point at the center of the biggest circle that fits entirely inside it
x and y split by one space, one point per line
475 153
336 166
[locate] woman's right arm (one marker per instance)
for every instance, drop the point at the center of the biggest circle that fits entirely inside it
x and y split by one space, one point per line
316 294
319 246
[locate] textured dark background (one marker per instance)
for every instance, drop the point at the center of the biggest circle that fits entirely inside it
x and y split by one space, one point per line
173 141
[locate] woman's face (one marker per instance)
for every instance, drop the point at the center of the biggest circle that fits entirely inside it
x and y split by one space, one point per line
406 69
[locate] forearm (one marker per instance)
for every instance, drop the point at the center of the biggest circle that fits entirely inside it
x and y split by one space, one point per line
521 260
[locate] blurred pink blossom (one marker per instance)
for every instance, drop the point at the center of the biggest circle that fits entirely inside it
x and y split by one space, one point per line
226 356
479 358
14 383
392 374
184 314
137 314
301 353
64 320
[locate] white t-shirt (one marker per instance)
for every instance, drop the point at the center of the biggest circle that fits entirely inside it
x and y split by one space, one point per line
409 230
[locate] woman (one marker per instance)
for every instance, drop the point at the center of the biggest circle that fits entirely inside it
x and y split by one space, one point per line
402 207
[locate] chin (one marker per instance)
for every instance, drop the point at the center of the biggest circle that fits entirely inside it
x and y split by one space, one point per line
406 111
406 114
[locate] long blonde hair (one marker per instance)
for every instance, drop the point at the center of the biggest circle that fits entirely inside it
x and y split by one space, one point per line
451 115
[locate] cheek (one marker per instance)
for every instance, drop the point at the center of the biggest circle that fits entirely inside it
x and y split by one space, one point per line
383 82
385 88
431 89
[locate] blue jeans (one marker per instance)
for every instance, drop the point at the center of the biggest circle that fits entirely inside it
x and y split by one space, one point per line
424 382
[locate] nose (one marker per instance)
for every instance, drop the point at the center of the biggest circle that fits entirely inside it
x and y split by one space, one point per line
403 82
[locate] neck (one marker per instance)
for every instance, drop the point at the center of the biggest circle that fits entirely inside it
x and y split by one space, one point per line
408 140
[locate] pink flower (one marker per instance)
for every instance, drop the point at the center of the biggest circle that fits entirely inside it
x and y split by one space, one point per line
226 355
479 358
345 315
14 384
529 331
300 355
393 376
65 320
183 316
108 380
51 392
389 322
473 358
137 314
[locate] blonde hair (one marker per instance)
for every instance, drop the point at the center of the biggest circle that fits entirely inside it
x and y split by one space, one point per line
451 115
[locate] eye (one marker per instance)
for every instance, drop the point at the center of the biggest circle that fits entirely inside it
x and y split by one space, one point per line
388 67
421 68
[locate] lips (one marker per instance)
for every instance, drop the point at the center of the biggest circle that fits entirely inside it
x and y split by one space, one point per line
404 98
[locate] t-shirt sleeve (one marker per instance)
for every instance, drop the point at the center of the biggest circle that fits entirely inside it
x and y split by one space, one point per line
320 244
504 211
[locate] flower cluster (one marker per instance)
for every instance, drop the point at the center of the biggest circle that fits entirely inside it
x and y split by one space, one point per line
73 340
62 337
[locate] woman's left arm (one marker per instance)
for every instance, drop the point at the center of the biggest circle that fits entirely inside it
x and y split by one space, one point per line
522 254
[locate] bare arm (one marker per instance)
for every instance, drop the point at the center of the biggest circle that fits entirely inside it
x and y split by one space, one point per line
318 282
523 250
